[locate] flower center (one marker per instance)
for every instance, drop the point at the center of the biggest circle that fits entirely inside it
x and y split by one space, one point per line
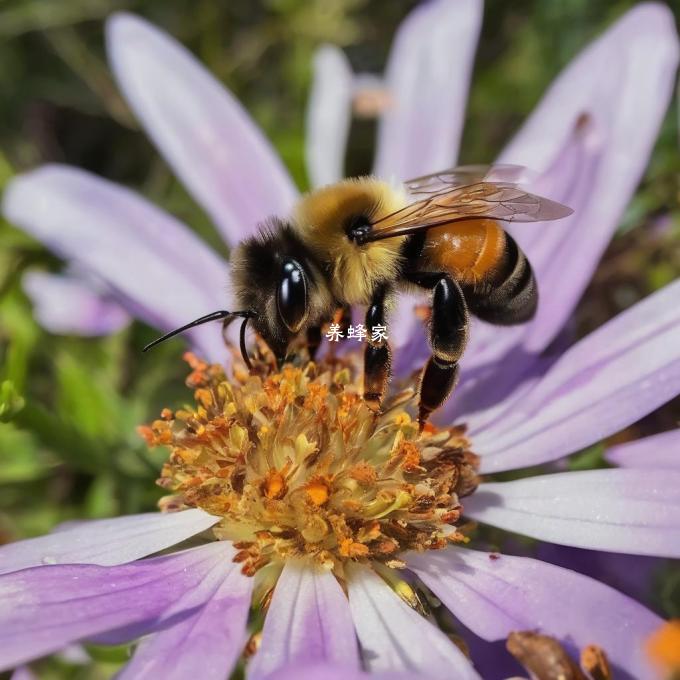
297 465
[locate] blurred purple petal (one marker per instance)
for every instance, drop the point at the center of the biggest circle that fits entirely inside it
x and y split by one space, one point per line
492 660
428 76
394 637
159 270
494 595
44 608
23 673
329 116
206 644
74 654
200 128
67 305
308 622
408 334
592 135
106 541
630 511
607 381
658 452
316 671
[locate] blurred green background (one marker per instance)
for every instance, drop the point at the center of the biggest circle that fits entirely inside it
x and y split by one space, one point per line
69 406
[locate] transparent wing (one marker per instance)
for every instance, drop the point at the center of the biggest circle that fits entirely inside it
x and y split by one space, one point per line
493 200
429 185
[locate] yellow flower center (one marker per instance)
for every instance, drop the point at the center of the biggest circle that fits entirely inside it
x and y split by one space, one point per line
296 464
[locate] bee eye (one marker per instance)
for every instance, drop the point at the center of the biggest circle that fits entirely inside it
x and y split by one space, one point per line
291 298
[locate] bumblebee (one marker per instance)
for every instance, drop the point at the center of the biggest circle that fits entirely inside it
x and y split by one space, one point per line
362 240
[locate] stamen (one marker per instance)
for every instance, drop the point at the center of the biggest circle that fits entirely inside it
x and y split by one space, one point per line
297 465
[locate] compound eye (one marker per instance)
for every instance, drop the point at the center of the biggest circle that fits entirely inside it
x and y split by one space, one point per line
291 298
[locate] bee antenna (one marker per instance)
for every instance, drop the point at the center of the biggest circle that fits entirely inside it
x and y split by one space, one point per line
214 316
242 339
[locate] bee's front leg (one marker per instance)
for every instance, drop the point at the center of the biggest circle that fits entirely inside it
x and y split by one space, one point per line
313 341
377 357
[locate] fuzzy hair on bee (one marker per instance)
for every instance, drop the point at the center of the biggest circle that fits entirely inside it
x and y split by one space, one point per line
256 265
360 241
323 218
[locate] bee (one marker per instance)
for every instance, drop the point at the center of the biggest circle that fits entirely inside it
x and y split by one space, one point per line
362 241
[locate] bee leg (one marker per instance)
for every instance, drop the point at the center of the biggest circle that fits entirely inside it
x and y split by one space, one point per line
377 357
448 337
313 341
345 320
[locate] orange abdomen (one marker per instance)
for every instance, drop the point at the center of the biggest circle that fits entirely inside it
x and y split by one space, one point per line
470 250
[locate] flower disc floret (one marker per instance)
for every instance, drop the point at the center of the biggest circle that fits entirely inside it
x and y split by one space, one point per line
296 464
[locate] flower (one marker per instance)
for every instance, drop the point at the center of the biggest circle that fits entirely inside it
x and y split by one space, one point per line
589 140
307 491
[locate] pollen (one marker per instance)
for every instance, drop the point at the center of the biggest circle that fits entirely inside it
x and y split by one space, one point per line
296 465
663 647
318 491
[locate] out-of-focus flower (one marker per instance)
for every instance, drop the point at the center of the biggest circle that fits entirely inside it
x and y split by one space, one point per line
589 141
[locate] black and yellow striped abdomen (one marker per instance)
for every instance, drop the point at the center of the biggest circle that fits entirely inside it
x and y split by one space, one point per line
494 273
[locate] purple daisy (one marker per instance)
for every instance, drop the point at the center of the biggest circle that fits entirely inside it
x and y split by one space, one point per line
589 141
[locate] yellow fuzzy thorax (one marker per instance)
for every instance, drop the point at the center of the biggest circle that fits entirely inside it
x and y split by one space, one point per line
320 219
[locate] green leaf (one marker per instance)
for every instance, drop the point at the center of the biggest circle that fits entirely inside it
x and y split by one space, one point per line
11 402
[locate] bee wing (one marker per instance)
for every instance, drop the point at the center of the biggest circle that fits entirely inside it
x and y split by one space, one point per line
482 200
438 182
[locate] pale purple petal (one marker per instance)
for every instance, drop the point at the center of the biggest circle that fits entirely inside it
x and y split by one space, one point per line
106 541
308 622
159 270
591 136
42 609
317 671
634 575
629 511
24 673
494 595
200 128
487 391
607 381
329 116
428 75
394 637
206 644
67 305
407 334
74 654
658 452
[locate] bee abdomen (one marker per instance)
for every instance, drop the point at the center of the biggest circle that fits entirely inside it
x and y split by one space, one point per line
508 294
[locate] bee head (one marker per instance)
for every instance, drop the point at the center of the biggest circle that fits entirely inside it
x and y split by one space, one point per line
274 275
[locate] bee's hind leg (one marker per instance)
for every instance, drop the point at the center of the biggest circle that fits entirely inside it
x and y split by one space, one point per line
448 338
378 356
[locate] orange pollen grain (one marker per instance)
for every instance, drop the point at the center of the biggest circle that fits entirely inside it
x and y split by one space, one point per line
364 474
350 548
663 646
274 486
411 456
317 491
